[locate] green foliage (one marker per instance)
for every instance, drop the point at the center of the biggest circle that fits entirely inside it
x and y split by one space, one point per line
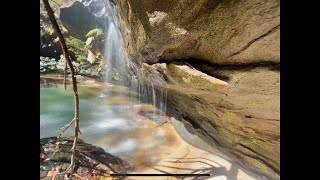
55 5
94 43
96 69
94 37
89 43
45 24
47 65
78 47
95 33
84 68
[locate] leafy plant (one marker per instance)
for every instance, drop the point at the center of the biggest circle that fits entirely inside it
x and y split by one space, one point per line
95 33
84 68
94 37
78 47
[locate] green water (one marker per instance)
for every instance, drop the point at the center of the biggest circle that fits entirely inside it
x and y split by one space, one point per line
97 120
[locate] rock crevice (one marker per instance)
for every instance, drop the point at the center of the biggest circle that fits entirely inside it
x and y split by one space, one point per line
274 29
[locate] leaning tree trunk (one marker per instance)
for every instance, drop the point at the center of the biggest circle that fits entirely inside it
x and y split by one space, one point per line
74 81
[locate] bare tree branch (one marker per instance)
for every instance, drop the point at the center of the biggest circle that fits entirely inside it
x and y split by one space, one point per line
74 80
65 76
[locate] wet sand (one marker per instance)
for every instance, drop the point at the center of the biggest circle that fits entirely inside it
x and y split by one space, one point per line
183 158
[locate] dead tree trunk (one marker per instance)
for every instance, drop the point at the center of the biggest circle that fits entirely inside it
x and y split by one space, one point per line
74 81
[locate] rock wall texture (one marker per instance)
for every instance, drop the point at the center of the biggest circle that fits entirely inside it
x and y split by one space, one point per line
216 31
239 115
226 85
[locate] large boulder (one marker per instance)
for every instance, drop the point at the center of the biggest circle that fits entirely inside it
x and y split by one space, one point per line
55 157
215 31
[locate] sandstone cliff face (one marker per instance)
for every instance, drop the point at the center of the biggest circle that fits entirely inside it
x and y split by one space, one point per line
216 31
228 92
240 116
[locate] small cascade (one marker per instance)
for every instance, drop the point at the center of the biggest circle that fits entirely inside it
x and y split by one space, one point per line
119 67
153 99
120 70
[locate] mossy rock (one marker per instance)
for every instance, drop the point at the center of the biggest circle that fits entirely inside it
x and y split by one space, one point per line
194 78
211 117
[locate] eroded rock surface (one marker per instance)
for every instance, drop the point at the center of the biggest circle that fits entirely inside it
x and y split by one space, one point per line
226 88
214 31
239 115
90 160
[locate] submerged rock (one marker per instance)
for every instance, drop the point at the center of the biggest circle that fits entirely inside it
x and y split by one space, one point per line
55 156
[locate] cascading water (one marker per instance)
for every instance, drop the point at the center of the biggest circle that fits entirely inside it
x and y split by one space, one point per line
120 70
118 63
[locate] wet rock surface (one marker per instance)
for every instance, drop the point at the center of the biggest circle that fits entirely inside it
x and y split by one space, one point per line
91 161
240 117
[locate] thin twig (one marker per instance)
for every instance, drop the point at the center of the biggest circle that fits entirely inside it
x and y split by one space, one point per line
64 128
73 77
55 151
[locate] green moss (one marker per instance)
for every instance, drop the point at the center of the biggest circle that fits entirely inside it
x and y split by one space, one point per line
94 38
190 80
260 165
231 132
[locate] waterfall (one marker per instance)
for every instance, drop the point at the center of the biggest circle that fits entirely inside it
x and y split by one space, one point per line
154 99
120 70
119 67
